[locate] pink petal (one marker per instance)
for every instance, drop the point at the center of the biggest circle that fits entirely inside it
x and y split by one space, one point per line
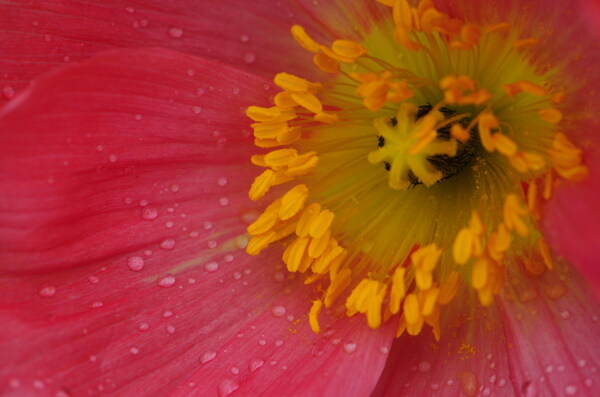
252 35
539 340
125 185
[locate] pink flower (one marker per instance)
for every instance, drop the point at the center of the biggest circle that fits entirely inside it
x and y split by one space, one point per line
124 171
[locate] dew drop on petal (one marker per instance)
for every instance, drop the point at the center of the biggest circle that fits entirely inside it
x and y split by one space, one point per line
167 244
175 32
424 366
255 364
235 370
167 314
166 282
211 267
468 382
207 356
97 304
93 279
134 350
138 117
135 263
47 291
227 387
278 311
175 188
249 57
143 327
8 91
170 329
570 390
196 109
222 181
350 347
224 201
244 38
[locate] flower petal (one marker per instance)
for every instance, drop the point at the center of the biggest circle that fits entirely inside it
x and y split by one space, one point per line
251 35
539 340
124 212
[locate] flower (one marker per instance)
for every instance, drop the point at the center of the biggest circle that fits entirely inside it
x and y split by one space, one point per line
127 172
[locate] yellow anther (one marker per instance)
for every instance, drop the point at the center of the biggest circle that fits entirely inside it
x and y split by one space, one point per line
258 243
389 3
338 284
566 159
449 288
290 136
266 143
321 223
280 158
497 27
307 218
319 244
326 117
308 101
499 242
291 83
412 312
429 299
504 144
551 115
326 63
459 133
525 43
399 91
462 90
294 254
313 315
514 211
262 184
302 164
398 290
330 53
532 197
479 275
367 297
332 256
470 35
468 241
527 161
348 49
524 86
284 100
272 114
558 97
304 39
424 261
263 223
402 14
486 123
269 130
293 201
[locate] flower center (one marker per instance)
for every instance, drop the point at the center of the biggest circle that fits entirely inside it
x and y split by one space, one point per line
419 166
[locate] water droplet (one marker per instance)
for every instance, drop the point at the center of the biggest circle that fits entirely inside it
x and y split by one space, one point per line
581 363
241 241
169 224
279 276
138 117
167 314
278 311
191 72
349 347
384 349
129 9
571 390
255 364
47 291
135 263
93 279
134 350
227 387
200 91
191 281
143 327
207 356
166 282
211 267
194 234
235 90
565 314
249 57
278 343
228 258
224 201
197 109
244 38
175 188
588 382
47 38
144 23
262 342
8 91
97 304
212 244
222 181
424 366
237 275
235 370
170 329
143 203
487 392
493 379
175 32
167 244
549 369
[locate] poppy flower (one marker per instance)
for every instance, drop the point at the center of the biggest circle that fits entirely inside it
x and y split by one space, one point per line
421 181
